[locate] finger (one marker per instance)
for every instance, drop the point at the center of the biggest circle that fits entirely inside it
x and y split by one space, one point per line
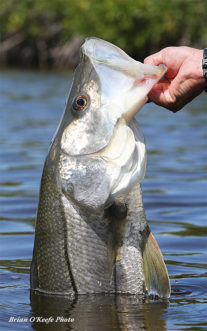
154 59
157 59
160 94
164 97
157 93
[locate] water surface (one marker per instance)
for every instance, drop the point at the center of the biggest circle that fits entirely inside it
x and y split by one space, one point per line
175 198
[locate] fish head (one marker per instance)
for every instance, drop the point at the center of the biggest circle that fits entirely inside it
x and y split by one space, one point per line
108 89
107 85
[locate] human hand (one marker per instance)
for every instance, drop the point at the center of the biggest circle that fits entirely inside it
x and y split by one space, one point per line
183 80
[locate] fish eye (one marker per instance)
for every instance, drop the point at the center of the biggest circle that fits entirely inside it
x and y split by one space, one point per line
79 103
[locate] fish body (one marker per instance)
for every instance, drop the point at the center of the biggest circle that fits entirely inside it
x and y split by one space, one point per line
91 232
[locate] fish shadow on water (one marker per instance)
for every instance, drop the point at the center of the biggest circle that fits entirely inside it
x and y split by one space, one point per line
97 312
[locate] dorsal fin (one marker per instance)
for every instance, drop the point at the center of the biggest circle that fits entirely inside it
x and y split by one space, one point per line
157 282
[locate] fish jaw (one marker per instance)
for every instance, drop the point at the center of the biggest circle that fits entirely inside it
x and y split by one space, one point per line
124 82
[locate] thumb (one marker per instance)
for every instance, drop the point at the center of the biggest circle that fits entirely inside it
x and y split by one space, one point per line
154 59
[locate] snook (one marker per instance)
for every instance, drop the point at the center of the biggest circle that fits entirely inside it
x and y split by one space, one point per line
91 232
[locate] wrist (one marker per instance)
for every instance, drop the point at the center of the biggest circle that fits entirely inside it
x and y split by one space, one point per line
204 67
197 59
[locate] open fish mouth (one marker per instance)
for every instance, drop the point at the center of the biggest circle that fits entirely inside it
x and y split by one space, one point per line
124 81
125 156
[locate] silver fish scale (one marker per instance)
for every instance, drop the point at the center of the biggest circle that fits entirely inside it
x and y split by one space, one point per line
97 264
49 269
87 249
129 270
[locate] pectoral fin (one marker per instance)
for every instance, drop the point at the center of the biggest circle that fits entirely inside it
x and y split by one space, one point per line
155 271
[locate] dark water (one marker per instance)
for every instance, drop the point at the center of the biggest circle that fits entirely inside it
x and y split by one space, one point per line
175 197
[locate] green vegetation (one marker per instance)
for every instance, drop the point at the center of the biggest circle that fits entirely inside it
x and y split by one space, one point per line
34 29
